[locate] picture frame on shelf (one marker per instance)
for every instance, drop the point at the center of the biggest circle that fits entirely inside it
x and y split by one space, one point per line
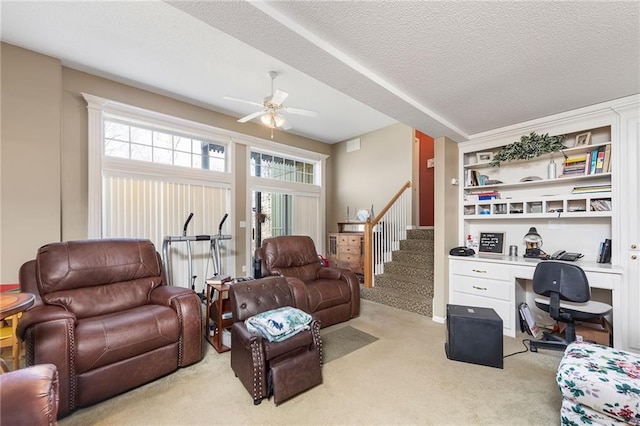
484 157
583 139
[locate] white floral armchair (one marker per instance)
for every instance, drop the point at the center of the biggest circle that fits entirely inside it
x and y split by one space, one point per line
599 385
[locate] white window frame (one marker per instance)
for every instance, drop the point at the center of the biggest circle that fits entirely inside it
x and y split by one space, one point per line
100 109
318 188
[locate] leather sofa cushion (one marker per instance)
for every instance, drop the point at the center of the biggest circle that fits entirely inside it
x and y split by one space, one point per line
119 273
323 294
103 299
111 338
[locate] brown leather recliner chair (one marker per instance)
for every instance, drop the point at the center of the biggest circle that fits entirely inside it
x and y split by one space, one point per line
330 294
282 369
29 396
106 319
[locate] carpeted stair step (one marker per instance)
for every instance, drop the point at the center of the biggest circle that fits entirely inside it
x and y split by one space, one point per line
409 270
418 258
424 246
420 234
405 284
419 304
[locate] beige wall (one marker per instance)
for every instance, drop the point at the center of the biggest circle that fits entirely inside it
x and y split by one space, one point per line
44 151
30 149
371 175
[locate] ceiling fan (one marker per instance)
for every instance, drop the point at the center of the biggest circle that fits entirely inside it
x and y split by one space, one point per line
273 108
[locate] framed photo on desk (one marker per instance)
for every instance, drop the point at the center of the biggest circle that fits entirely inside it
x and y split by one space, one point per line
491 243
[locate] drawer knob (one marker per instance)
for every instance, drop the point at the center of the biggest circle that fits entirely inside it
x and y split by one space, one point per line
634 257
480 271
480 288
634 246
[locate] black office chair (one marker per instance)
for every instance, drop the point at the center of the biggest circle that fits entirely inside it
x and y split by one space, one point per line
567 297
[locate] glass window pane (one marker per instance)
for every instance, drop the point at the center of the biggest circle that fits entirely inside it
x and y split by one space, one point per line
182 159
117 131
116 149
217 149
161 146
162 140
141 136
182 144
216 164
196 162
162 156
198 147
141 152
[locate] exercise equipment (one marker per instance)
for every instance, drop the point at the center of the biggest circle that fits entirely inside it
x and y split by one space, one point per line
214 250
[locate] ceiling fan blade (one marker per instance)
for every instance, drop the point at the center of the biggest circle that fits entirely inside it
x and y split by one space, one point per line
279 96
242 100
299 111
250 116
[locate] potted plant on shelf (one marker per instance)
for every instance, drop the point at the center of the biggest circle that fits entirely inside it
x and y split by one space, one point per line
528 147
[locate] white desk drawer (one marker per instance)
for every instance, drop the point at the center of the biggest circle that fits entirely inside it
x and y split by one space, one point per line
606 281
482 270
502 308
483 287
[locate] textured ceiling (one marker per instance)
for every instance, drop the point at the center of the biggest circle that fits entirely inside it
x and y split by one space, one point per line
451 68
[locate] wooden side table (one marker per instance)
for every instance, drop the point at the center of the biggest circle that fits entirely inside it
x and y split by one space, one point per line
11 304
218 315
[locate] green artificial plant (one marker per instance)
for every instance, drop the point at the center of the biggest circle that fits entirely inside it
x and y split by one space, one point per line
528 147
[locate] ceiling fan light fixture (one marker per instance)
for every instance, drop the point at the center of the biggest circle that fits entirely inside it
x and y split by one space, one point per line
278 120
267 120
272 120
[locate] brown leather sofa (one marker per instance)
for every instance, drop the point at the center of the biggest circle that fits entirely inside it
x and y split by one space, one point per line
29 396
106 319
330 294
282 369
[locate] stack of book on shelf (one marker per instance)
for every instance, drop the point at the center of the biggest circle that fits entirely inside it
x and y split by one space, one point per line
604 254
482 196
575 166
591 188
603 205
598 160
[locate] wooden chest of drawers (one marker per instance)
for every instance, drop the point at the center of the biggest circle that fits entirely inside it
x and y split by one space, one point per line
346 251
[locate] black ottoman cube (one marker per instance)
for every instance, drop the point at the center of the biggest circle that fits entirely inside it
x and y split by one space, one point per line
474 335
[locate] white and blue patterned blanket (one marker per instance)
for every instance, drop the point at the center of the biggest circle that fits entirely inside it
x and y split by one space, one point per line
279 324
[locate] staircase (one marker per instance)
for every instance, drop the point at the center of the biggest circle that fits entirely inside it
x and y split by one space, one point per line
407 282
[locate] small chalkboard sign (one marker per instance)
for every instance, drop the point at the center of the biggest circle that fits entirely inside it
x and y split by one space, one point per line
491 242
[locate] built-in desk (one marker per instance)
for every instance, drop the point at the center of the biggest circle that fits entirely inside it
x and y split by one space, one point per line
497 282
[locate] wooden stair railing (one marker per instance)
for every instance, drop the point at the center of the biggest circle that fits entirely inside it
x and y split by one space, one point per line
368 235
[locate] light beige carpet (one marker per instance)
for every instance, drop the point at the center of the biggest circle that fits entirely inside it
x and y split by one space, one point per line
340 342
404 378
